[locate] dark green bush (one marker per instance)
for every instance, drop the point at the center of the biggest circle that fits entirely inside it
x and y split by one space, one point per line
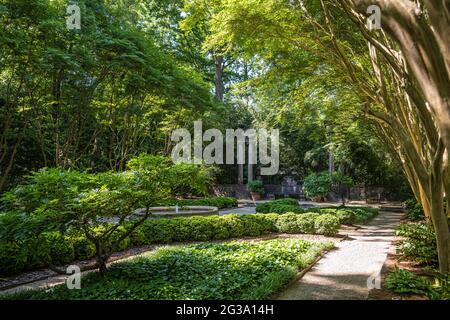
346 216
234 225
317 184
83 249
12 258
287 223
158 231
414 210
256 186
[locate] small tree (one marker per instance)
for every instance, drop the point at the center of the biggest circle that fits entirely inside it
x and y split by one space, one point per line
102 206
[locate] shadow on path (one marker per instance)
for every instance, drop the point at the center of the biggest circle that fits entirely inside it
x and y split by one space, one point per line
344 274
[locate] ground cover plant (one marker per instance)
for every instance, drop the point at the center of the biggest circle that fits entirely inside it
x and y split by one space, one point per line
236 270
404 281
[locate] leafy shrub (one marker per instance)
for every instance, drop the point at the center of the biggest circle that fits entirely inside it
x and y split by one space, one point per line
83 249
219 202
327 224
349 215
403 281
419 243
234 225
308 223
279 206
346 216
288 223
55 248
286 201
12 258
317 184
414 210
255 186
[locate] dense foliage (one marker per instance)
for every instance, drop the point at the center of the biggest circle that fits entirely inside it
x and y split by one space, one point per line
419 243
414 210
71 201
18 253
403 281
346 215
349 215
244 270
317 185
256 186
279 206
219 202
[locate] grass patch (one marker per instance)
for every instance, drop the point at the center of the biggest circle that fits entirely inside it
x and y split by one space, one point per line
244 270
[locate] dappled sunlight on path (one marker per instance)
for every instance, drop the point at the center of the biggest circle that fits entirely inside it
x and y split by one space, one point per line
344 273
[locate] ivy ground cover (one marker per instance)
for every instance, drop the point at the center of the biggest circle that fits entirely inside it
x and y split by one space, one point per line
234 270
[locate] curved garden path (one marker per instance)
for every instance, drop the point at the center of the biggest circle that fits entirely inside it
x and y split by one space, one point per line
343 274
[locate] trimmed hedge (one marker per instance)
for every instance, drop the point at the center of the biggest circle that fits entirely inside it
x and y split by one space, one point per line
54 248
279 206
349 215
219 202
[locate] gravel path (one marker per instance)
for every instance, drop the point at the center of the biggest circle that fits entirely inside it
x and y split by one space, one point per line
343 274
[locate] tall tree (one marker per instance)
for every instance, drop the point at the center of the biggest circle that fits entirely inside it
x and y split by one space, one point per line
315 39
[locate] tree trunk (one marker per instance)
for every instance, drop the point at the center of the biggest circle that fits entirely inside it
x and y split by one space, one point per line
101 260
218 77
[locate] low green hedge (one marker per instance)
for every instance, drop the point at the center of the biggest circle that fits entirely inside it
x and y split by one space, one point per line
56 249
349 215
219 202
279 206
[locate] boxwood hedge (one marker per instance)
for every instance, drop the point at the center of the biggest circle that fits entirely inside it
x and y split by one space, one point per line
279 206
54 248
